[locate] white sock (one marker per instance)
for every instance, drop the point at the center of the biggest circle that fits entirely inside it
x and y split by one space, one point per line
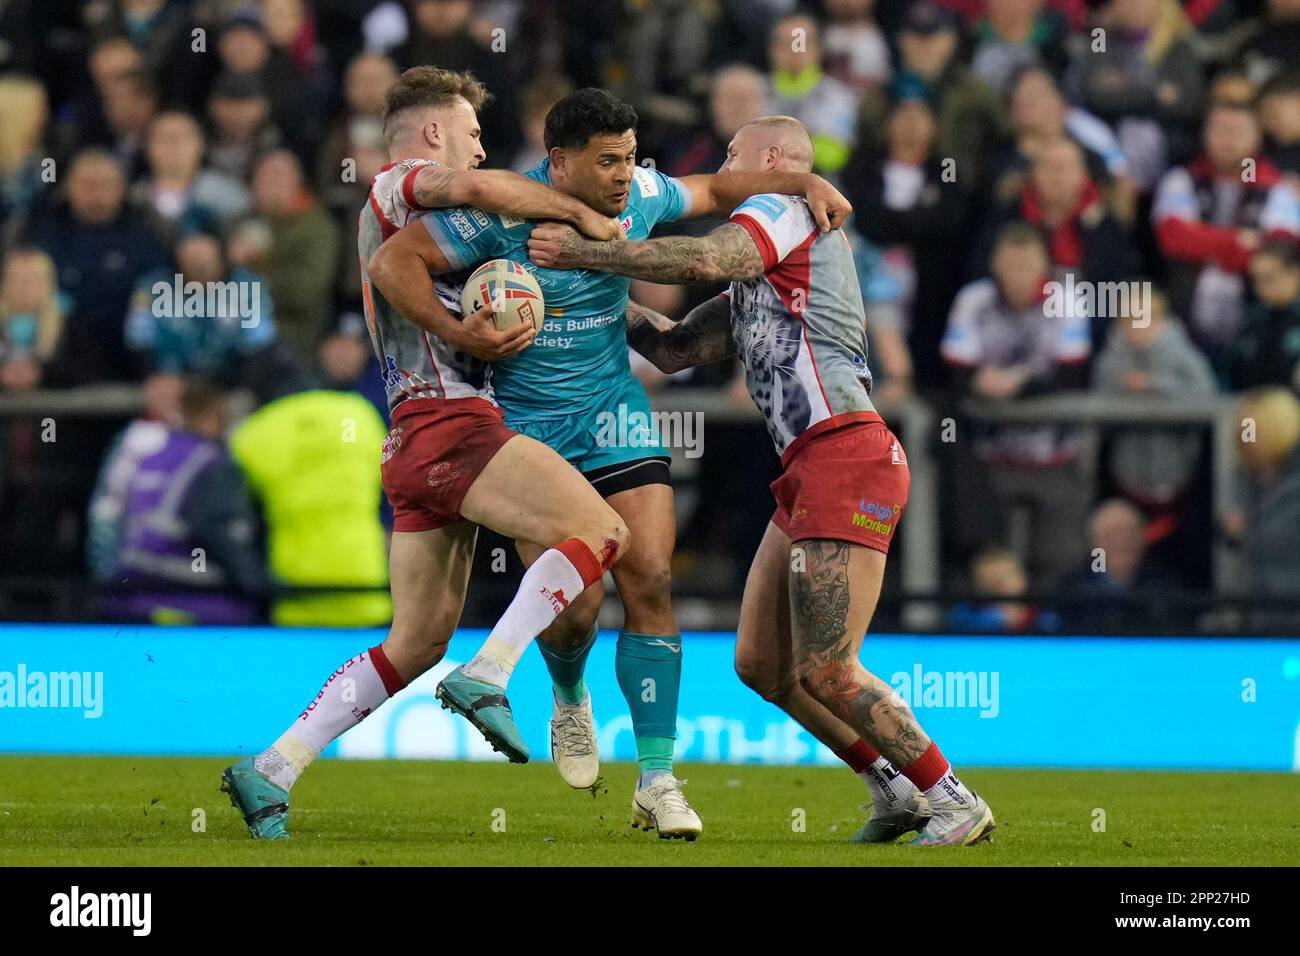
886 784
950 793
546 590
350 694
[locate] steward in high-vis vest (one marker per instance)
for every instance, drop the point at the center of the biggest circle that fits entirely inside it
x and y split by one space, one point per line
176 525
312 459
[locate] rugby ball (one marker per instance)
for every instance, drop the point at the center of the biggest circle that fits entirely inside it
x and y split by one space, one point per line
511 289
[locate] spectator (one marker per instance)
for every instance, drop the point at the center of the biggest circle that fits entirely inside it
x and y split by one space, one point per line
367 80
1267 352
24 110
1040 116
908 207
1000 582
1151 355
1234 88
179 195
179 525
1119 585
304 256
1267 44
142 436
31 318
154 27
1147 83
967 112
309 457
110 59
801 88
539 96
1084 239
1015 34
241 125
1271 542
217 325
347 361
440 33
856 52
130 105
737 95
1279 115
882 303
665 65
100 249
297 90
1007 338
1211 215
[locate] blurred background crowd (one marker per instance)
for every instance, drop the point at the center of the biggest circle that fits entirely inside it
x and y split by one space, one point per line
987 146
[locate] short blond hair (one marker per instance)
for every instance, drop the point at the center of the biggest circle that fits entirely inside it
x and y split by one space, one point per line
790 135
422 87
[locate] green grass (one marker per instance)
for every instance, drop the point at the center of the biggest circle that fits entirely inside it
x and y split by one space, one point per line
139 811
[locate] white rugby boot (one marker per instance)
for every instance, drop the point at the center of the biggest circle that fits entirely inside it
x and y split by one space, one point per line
957 823
573 743
662 806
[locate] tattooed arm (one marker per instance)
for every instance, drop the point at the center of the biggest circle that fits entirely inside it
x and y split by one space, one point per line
702 337
715 196
728 252
505 193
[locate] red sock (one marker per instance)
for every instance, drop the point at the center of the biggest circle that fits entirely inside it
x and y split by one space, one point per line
859 757
928 769
387 672
583 559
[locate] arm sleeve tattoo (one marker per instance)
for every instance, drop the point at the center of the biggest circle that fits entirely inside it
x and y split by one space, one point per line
703 336
726 253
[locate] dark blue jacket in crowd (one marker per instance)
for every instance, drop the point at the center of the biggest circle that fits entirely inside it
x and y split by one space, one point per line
98 267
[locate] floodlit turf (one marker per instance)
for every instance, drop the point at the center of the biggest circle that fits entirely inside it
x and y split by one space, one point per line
141 811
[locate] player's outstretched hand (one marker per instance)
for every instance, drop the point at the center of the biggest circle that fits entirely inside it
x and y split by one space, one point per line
828 205
554 245
595 226
480 337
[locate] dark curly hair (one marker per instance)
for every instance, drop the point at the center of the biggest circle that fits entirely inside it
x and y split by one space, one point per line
585 113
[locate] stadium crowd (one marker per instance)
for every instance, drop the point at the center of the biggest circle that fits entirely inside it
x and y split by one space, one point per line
988 146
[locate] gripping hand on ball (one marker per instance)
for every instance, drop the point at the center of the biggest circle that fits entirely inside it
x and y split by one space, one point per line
479 336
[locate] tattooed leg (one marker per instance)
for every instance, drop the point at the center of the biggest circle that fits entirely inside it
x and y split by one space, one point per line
834 587
764 648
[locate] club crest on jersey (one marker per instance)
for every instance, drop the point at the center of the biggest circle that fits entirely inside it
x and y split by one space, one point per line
626 224
896 455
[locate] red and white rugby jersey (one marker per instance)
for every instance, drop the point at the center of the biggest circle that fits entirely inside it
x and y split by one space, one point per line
800 327
414 363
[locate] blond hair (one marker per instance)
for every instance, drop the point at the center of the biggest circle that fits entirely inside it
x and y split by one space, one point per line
24 108
49 315
421 87
790 135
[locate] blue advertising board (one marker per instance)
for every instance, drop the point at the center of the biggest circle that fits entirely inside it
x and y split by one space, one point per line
1019 702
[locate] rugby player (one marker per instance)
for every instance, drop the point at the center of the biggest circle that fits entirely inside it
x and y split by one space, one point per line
449 464
566 389
794 315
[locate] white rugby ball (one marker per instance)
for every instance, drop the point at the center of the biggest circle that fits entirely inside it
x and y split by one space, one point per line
511 289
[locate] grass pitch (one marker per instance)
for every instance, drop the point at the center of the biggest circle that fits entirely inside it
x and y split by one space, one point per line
114 811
